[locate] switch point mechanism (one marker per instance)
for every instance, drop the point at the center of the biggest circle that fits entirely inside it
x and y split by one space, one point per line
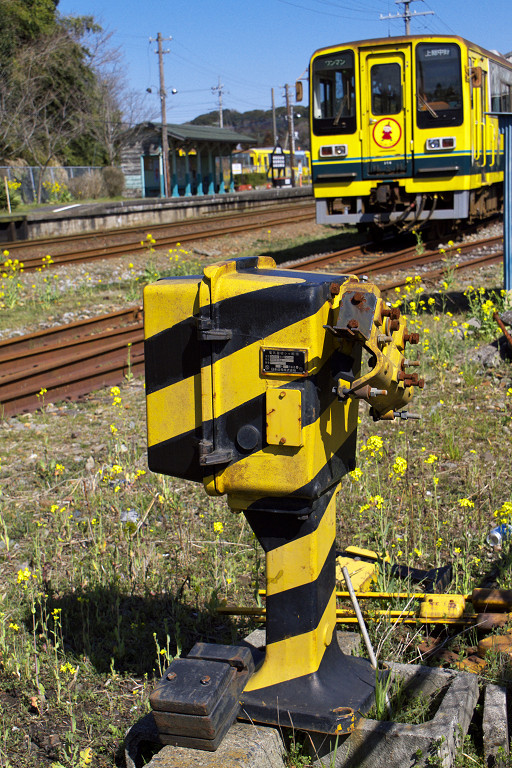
254 376
406 415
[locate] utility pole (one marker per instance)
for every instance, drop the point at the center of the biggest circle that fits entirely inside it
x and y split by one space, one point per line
291 133
274 123
163 94
406 15
219 88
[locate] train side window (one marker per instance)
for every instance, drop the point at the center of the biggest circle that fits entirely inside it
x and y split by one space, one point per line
501 87
386 89
334 104
438 85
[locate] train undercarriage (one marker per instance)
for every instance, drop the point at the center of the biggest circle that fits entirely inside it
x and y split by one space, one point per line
390 206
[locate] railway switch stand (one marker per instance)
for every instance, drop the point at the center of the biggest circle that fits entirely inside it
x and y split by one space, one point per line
253 379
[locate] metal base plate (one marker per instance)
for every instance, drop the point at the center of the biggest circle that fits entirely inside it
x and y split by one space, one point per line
330 700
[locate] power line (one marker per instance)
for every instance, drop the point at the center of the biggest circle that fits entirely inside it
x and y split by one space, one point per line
362 17
406 15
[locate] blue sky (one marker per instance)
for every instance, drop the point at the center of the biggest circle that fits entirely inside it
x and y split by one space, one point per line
259 44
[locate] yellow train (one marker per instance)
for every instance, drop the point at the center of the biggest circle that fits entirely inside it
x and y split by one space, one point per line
401 132
258 160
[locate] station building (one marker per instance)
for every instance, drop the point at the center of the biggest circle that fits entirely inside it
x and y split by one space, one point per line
200 159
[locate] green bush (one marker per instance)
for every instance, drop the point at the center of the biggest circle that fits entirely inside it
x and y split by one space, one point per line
14 194
254 179
113 180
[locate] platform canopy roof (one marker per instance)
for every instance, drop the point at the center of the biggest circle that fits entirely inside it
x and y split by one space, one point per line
207 133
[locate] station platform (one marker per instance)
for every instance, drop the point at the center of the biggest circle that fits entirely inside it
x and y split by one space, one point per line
75 218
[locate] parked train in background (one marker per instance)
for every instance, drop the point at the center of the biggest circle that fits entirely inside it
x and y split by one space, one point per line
258 160
401 132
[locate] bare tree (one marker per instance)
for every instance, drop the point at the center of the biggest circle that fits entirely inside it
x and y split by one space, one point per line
47 105
116 107
64 94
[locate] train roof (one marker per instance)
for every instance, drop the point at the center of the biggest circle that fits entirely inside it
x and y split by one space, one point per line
416 38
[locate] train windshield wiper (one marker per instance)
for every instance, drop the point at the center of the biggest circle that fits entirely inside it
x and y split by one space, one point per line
427 106
341 108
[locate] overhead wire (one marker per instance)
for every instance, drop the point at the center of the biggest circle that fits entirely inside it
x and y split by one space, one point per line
366 16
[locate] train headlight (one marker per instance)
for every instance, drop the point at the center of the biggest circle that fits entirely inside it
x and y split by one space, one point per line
444 142
334 150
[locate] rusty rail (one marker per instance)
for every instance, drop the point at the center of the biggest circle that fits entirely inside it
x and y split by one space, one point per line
70 361
501 324
358 260
480 261
79 248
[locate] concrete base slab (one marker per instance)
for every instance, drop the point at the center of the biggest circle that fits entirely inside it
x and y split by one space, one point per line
376 744
244 746
495 724
372 745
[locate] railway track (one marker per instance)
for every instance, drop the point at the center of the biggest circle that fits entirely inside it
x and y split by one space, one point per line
69 361
74 249
72 360
358 261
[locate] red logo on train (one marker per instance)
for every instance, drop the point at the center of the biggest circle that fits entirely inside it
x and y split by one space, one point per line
387 133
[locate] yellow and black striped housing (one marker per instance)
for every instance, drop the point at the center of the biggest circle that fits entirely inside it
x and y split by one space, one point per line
239 377
305 682
245 366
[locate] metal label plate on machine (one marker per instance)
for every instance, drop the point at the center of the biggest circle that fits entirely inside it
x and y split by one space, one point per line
287 362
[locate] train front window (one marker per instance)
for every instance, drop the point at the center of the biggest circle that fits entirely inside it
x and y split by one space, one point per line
334 104
438 85
386 89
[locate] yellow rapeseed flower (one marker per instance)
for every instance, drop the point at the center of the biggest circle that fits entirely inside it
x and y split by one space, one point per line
68 669
374 446
399 467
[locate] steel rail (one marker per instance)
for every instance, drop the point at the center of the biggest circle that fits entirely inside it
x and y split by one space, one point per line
389 262
137 231
85 247
111 364
480 261
37 359
49 336
69 361
504 329
315 262
409 257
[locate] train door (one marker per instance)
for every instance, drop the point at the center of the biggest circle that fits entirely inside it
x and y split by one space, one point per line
386 124
479 107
